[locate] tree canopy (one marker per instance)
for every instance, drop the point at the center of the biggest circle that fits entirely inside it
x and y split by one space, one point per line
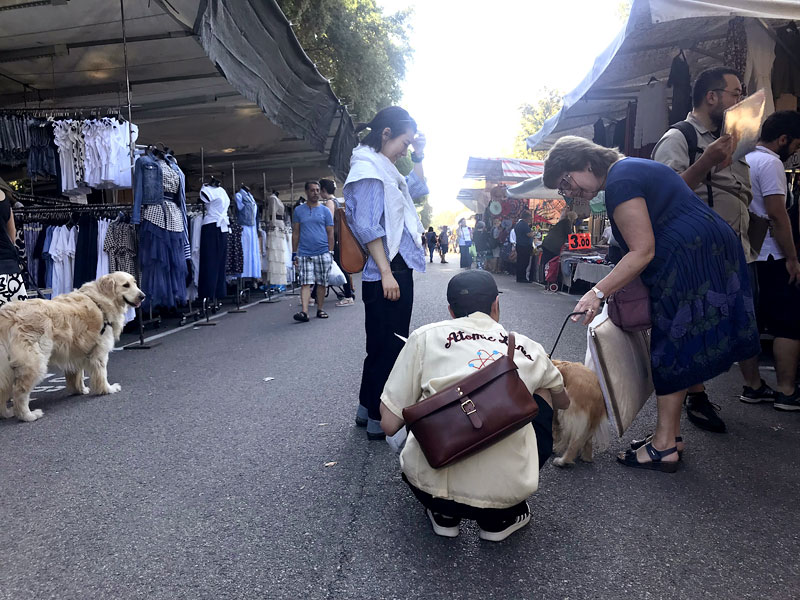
532 118
362 51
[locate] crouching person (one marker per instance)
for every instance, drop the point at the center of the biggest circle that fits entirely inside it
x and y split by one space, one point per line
491 486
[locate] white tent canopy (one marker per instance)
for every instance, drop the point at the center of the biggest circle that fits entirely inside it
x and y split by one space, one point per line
228 77
655 32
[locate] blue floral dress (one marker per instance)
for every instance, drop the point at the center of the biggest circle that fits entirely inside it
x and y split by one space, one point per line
702 304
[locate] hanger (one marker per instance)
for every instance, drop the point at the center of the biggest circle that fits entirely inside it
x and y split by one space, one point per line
653 78
791 27
245 188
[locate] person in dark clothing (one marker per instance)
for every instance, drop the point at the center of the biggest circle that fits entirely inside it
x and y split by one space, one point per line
431 238
557 236
481 237
524 246
444 244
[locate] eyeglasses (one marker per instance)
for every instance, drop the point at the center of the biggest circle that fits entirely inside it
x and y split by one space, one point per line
737 94
566 185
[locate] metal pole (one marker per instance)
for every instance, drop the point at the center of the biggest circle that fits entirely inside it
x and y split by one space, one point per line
127 84
233 176
202 164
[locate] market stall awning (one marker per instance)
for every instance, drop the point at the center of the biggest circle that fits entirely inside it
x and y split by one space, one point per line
227 77
532 188
655 32
502 169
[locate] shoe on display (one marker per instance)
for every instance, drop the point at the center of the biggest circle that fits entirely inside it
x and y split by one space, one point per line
703 413
443 525
787 403
346 302
763 394
497 532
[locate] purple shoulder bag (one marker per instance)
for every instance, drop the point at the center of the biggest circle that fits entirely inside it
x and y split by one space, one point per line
629 307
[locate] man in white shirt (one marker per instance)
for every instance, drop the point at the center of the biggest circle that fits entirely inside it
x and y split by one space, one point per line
777 265
492 485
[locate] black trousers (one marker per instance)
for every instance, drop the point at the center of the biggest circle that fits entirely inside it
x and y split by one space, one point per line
523 260
543 425
382 319
213 253
466 257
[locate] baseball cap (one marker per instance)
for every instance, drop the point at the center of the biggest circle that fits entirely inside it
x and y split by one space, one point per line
471 291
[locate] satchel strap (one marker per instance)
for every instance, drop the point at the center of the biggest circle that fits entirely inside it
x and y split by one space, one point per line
512 344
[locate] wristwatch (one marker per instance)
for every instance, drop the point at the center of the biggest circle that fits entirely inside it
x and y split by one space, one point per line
600 295
417 157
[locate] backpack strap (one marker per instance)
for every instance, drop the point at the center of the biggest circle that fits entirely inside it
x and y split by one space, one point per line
690 134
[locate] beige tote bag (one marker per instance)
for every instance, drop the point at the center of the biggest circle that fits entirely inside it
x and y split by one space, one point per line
621 360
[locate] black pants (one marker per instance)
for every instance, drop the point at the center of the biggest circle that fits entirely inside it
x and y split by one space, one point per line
543 425
382 319
213 254
431 249
466 257
523 259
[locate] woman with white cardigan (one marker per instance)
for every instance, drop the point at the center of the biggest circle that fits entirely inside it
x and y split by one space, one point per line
381 213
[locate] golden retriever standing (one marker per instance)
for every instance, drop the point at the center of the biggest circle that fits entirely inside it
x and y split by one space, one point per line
75 331
585 420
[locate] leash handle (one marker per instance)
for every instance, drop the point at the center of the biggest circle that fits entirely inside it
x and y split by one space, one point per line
583 312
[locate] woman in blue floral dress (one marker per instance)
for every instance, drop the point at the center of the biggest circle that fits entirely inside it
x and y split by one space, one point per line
691 260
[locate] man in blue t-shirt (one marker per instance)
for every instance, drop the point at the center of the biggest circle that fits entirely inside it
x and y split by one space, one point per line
312 245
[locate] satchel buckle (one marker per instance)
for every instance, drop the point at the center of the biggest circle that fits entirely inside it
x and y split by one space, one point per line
468 409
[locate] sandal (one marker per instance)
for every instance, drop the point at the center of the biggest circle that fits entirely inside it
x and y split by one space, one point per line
656 463
636 444
321 314
301 316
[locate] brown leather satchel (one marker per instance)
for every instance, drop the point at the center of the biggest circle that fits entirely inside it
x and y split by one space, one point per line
476 412
352 257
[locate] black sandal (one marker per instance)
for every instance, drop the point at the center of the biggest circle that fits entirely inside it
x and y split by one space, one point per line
301 316
656 463
636 444
321 314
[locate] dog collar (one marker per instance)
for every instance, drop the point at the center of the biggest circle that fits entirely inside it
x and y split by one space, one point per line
106 323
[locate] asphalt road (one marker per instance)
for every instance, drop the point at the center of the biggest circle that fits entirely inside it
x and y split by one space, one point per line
202 480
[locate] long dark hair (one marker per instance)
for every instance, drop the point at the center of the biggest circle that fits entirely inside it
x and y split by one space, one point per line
395 118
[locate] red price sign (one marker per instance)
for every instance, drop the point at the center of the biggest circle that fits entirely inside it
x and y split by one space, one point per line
580 241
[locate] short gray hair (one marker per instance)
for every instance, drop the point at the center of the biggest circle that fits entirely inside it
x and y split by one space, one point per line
572 153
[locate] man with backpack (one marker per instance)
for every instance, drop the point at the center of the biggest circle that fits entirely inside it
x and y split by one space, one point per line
695 150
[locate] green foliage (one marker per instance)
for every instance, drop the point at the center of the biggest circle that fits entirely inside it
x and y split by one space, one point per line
404 165
532 118
425 213
362 51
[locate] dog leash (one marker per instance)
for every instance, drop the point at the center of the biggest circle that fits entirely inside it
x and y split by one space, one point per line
562 330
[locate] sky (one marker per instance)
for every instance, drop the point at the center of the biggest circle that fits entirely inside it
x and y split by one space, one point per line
476 61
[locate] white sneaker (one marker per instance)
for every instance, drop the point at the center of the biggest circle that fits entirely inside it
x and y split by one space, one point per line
345 302
509 526
443 525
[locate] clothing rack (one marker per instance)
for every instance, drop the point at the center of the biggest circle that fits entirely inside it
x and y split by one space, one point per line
66 111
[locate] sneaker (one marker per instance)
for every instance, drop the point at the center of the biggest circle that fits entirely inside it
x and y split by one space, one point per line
374 430
345 302
443 525
497 532
789 403
763 394
703 413
362 415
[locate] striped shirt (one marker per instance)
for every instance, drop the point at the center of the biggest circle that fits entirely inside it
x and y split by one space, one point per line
364 210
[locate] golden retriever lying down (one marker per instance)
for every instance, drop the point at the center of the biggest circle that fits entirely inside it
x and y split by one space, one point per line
586 419
75 331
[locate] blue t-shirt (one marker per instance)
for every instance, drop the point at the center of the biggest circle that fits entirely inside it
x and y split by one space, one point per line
313 235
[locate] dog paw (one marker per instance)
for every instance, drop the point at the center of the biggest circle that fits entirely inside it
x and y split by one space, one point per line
82 391
32 415
114 388
560 462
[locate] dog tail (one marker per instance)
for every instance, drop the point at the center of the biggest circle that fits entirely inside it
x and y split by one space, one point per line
602 435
